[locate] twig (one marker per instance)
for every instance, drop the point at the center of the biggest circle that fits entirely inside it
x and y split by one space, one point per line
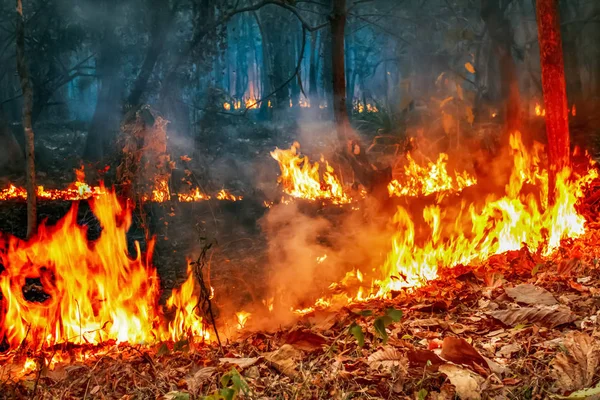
204 302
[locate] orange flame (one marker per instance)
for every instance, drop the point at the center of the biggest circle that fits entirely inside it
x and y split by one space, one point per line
502 224
425 180
302 179
95 291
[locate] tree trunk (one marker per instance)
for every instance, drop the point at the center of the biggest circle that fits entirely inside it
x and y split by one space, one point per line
338 28
160 21
313 93
555 94
27 126
267 70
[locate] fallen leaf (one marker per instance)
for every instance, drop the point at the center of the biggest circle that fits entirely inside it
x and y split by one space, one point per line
584 394
284 359
424 358
200 377
531 295
305 340
575 369
243 363
387 357
467 383
549 316
508 350
459 351
176 396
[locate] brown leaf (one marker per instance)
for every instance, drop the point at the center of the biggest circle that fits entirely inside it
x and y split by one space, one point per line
531 295
459 351
200 377
467 383
387 357
240 362
420 358
549 316
305 340
576 369
284 359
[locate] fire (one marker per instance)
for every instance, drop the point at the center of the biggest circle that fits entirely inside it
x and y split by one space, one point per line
432 178
225 195
242 318
192 196
227 106
185 302
301 179
539 111
94 292
78 190
501 224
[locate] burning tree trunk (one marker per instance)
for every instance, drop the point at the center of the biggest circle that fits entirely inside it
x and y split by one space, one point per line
338 28
553 82
27 126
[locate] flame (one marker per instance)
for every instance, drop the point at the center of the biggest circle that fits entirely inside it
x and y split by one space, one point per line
574 110
227 106
225 195
502 224
185 301
539 111
94 291
78 190
192 196
432 178
302 179
242 318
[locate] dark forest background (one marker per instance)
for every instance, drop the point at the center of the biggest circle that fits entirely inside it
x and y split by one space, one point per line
201 63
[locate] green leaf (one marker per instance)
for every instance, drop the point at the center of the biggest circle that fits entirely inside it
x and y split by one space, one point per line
422 395
365 313
177 396
395 315
357 332
380 324
225 380
581 394
228 393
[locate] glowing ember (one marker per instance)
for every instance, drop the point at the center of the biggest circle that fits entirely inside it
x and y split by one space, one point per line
302 179
424 180
500 225
539 111
95 291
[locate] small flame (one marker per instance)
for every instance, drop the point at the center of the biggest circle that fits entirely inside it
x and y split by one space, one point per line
225 195
242 318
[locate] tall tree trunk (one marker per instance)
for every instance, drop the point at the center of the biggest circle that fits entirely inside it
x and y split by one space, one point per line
27 126
313 93
160 21
555 94
338 29
267 70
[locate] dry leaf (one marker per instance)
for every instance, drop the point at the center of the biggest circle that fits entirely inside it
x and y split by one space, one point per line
240 362
576 369
424 358
531 295
387 357
459 351
467 383
508 350
200 377
305 340
549 316
284 359
469 67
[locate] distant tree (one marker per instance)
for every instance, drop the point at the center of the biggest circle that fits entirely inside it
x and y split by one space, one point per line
554 87
23 71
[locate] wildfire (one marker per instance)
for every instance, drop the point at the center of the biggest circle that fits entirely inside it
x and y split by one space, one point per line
93 292
424 180
301 179
225 195
501 224
242 318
